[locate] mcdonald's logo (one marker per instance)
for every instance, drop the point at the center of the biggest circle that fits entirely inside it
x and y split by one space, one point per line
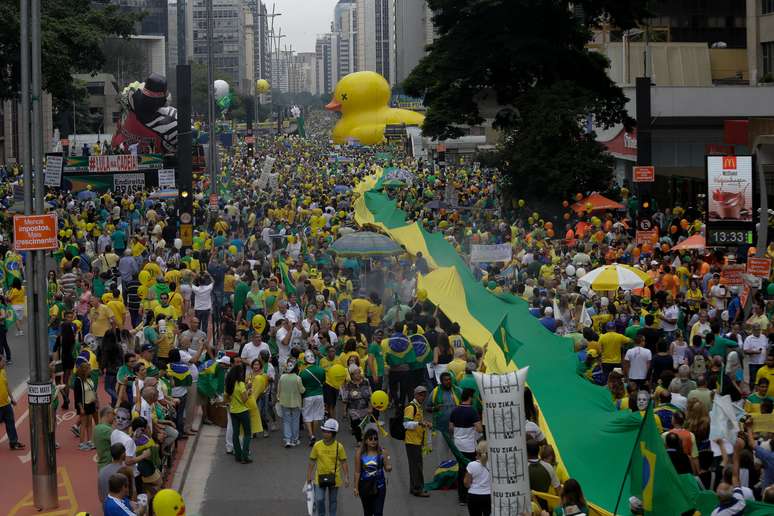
729 162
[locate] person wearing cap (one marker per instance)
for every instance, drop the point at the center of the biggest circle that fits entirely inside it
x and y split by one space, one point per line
416 427
313 405
328 464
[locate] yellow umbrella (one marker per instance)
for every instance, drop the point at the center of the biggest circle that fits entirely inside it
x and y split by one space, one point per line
613 277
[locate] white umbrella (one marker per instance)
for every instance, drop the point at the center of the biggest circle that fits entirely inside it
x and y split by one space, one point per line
613 277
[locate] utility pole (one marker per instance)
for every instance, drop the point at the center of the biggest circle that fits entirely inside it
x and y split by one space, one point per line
181 32
44 481
213 146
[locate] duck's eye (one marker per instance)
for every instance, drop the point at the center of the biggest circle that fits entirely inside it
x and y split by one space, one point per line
343 96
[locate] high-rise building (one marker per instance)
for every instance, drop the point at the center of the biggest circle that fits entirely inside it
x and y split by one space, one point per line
376 37
326 63
345 29
760 40
306 72
261 57
227 38
412 24
154 20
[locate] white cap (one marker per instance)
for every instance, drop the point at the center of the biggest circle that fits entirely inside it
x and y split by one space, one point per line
330 425
225 359
548 310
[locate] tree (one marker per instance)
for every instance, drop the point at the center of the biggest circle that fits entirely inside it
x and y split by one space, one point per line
72 34
508 60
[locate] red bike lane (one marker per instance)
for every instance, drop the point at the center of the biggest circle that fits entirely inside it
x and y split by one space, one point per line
76 469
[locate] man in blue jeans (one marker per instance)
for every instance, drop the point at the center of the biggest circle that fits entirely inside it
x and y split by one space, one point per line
6 408
328 460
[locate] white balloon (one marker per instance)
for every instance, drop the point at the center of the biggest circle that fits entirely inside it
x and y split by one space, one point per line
580 272
570 270
221 88
178 243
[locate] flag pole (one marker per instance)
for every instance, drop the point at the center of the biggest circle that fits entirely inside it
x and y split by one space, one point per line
631 455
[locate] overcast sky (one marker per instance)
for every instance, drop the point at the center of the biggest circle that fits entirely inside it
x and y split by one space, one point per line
302 21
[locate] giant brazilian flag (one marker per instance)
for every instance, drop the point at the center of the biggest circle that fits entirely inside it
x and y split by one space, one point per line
592 439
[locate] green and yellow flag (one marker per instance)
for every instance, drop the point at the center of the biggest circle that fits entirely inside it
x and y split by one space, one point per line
290 288
653 478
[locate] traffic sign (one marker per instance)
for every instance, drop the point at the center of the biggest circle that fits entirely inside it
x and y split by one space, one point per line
760 267
35 232
645 174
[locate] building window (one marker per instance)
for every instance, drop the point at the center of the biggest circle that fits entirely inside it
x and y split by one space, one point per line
767 6
767 52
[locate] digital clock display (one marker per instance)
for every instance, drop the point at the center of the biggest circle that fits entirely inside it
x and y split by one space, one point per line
730 237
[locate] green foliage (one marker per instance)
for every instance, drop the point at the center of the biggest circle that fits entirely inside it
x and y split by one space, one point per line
530 58
550 152
72 35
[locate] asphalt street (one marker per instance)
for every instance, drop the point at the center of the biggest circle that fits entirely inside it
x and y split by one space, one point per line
272 484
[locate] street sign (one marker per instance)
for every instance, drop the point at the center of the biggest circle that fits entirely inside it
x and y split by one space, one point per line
646 174
35 232
646 232
731 274
186 234
39 393
760 267
744 296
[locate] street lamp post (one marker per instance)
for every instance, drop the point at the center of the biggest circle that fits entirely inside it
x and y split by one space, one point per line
212 147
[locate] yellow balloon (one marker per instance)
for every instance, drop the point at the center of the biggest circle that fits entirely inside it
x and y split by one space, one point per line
168 502
380 400
144 277
259 323
336 375
521 203
142 291
421 294
232 249
262 86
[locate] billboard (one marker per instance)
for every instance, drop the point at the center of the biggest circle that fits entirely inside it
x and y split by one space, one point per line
730 200
730 189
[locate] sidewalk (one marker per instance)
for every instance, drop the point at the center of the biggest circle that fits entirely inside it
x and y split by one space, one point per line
76 470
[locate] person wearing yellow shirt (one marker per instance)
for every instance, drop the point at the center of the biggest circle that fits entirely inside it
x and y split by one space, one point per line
457 366
17 298
176 301
101 319
138 247
547 272
6 408
327 468
752 405
767 373
162 307
416 426
358 311
238 393
118 308
611 344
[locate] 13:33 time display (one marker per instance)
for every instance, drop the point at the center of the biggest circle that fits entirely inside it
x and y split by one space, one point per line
730 237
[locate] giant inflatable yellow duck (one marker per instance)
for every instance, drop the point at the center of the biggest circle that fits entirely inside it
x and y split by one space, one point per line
362 98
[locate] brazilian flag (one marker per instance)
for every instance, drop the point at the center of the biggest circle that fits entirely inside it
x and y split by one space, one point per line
290 288
179 375
211 379
444 477
9 316
422 349
399 351
652 476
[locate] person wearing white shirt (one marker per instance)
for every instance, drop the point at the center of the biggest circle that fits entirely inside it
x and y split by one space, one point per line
282 313
478 481
286 336
190 356
669 320
252 349
637 361
755 350
203 301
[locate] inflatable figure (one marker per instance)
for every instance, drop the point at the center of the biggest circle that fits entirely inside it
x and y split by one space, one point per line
362 98
146 119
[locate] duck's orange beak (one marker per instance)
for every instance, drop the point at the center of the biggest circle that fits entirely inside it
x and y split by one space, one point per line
333 105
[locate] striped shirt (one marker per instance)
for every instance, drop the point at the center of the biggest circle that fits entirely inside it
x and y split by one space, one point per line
68 282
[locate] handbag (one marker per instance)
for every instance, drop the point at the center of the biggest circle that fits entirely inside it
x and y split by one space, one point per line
329 479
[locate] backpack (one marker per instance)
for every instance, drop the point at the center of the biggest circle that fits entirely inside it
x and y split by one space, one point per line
397 430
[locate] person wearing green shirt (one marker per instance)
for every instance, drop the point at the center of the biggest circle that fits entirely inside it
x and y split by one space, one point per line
375 362
102 437
240 295
469 382
632 330
313 406
719 345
